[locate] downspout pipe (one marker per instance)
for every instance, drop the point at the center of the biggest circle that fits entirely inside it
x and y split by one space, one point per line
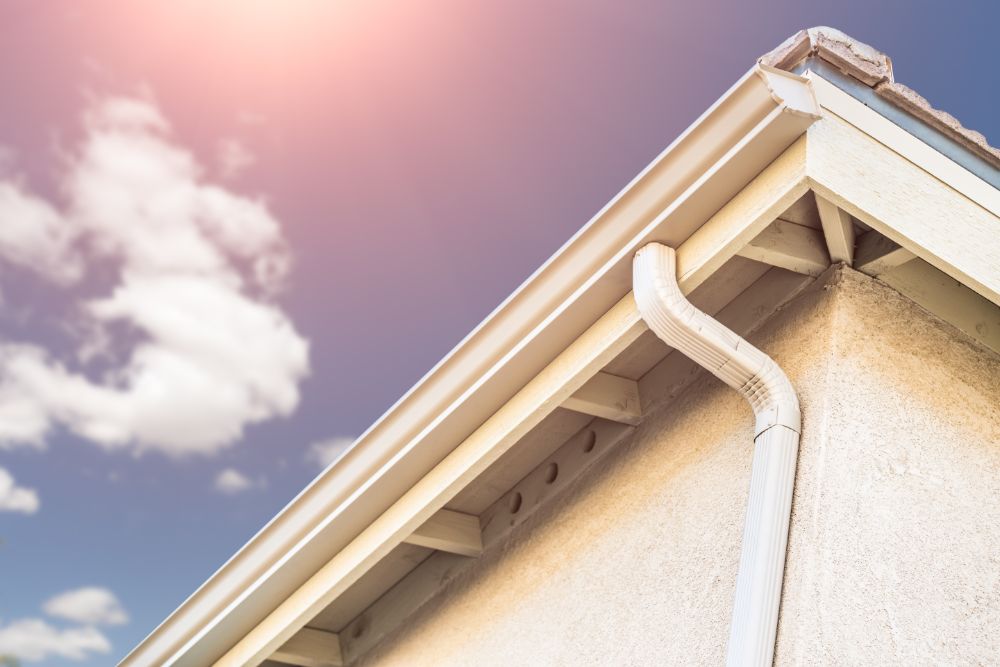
776 442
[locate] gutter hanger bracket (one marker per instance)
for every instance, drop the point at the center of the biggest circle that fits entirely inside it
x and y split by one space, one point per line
776 438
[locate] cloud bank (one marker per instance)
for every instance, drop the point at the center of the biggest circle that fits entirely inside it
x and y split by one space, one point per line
35 640
90 605
186 347
14 498
231 482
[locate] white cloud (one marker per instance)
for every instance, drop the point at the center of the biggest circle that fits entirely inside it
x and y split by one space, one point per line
34 235
231 481
14 498
233 157
34 640
195 265
90 606
327 451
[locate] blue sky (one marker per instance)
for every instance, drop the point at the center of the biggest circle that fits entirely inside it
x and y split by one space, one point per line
168 365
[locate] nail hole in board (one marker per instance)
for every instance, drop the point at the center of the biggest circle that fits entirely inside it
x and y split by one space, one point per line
514 503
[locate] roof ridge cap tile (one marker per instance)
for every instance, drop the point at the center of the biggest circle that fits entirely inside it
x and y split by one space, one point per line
874 68
857 59
917 105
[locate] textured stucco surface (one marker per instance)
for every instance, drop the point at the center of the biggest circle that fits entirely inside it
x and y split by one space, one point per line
895 542
894 556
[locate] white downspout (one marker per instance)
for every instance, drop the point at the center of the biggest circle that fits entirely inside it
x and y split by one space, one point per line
776 441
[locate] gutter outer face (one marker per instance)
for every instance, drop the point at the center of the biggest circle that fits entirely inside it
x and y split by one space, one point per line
776 442
749 126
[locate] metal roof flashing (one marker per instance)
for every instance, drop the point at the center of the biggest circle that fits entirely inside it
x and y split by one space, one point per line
866 74
942 142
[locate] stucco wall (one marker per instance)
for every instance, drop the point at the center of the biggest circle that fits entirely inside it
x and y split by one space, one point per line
895 542
894 555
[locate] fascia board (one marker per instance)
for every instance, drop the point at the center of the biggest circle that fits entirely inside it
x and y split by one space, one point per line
866 96
753 123
779 185
905 190
901 139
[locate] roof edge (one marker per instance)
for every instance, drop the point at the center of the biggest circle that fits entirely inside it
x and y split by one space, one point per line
496 359
873 68
557 303
863 62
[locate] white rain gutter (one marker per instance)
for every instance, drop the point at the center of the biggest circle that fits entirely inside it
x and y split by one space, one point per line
776 442
764 113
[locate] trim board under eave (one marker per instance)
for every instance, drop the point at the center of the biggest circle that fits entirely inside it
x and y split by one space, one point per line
905 190
555 306
742 219
744 216
708 164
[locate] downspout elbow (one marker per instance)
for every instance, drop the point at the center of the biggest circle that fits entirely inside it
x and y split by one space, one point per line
758 378
709 343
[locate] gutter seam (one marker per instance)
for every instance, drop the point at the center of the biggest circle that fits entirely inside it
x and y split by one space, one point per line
758 378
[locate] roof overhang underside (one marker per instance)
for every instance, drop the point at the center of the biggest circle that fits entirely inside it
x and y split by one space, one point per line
784 171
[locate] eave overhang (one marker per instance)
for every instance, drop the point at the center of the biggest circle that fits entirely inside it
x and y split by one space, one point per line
747 128
710 194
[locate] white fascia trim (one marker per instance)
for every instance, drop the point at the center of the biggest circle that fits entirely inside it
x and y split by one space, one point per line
753 123
900 141
899 186
743 367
